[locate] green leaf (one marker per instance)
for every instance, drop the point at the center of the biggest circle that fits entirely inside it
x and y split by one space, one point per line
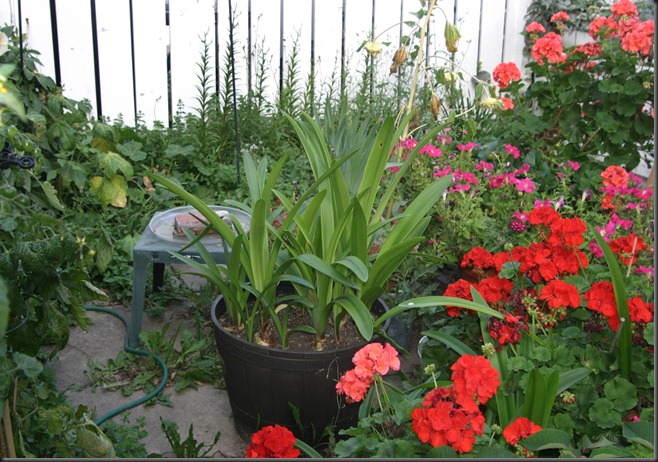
621 393
489 452
451 342
132 150
318 264
441 452
112 163
51 194
639 432
359 312
356 266
625 340
604 414
548 438
570 378
30 366
611 452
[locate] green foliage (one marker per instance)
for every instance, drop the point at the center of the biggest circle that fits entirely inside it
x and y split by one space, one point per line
190 359
189 447
588 109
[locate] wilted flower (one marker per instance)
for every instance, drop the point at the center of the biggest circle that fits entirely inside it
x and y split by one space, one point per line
399 57
4 43
452 36
374 48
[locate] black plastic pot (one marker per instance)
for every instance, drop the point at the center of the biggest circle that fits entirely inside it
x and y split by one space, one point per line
265 384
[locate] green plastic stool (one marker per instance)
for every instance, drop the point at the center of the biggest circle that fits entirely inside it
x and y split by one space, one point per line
153 249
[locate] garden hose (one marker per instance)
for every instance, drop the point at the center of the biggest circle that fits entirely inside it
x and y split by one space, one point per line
159 388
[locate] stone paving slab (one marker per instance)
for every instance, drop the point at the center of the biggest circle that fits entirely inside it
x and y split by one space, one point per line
206 407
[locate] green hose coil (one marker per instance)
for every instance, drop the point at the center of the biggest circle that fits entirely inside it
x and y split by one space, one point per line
159 388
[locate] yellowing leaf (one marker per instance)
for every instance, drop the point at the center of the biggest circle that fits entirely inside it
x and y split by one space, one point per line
111 190
112 163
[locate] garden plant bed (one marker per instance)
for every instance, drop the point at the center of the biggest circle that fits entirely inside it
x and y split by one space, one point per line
500 216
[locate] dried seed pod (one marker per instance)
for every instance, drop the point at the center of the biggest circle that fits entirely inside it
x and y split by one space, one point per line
399 57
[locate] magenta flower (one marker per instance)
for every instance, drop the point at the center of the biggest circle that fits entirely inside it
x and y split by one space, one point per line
468 146
431 151
625 224
573 165
544 203
486 166
512 150
525 185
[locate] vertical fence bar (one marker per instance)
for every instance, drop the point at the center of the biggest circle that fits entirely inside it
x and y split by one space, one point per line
94 44
55 35
281 51
132 58
342 53
249 48
170 105
312 74
20 32
216 49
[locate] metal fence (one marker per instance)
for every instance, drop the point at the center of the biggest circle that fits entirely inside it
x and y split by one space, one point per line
141 57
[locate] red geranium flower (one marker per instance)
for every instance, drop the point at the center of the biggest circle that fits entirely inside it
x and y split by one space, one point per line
568 232
273 442
627 248
494 289
543 216
558 293
615 176
560 16
478 257
520 428
474 378
442 421
505 73
640 310
459 289
550 47
353 386
601 298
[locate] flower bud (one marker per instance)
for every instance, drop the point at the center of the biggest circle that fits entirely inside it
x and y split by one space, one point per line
429 369
374 48
435 106
488 350
491 103
452 36
399 57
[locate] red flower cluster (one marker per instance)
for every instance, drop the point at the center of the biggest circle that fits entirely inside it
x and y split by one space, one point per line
272 442
475 381
556 255
520 428
550 47
374 358
601 298
507 331
505 73
624 23
450 416
627 248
